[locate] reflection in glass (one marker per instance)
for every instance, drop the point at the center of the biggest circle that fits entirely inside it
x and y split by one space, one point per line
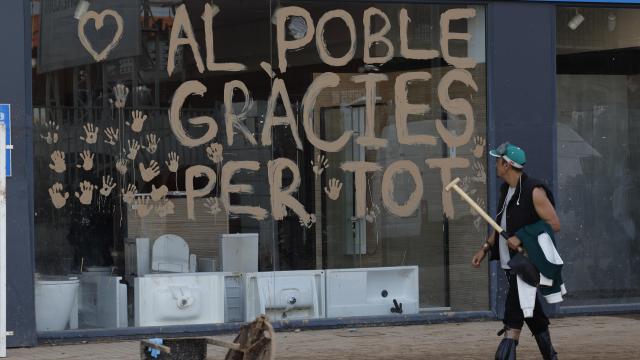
597 169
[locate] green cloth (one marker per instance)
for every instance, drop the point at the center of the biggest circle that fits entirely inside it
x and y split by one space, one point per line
529 237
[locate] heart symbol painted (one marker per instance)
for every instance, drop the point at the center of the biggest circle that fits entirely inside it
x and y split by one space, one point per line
99 19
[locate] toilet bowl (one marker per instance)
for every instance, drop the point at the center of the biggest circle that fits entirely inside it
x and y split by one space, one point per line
56 303
170 254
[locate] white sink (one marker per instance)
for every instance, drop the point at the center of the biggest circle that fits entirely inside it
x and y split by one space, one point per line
285 294
179 299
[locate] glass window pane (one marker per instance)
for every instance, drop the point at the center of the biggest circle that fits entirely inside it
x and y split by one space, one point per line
134 210
364 226
597 151
200 163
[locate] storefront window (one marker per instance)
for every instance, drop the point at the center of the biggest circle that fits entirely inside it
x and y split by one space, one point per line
598 172
202 162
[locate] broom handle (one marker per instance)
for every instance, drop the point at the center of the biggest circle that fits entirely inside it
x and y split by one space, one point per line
454 185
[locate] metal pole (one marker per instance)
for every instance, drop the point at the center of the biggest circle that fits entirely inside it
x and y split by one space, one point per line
3 242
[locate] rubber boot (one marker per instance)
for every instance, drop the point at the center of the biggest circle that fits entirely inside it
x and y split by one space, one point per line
546 348
507 349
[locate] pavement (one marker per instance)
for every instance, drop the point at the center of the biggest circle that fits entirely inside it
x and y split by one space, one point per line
592 337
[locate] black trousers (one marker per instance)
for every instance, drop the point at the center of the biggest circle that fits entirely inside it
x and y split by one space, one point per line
513 315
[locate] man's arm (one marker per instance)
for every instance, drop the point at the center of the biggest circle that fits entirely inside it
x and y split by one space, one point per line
477 258
544 208
492 238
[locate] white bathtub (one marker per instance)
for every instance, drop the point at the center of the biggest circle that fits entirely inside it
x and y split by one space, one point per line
371 291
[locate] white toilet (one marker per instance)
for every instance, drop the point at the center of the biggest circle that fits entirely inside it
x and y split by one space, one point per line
170 254
56 303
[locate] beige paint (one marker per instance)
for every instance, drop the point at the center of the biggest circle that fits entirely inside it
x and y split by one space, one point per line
309 222
236 121
152 143
122 166
158 193
134 147
129 194
107 185
192 87
405 51
279 90
142 207
319 165
181 23
268 69
165 208
478 149
369 138
173 163
120 91
456 107
214 152
228 170
281 198
58 165
321 44
99 21
87 160
321 82
360 170
52 133
478 169
333 191
91 133
57 198
207 16
213 204
445 165
86 192
446 36
138 121
149 173
388 200
372 214
370 39
112 135
281 16
191 173
50 138
404 109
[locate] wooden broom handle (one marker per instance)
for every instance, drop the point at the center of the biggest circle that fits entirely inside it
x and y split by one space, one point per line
454 185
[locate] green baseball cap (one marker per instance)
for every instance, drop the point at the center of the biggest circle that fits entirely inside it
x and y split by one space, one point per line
512 154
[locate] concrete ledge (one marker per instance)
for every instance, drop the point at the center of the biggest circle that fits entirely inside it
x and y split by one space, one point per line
587 310
96 335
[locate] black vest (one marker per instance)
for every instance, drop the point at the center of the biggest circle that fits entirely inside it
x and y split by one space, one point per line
520 210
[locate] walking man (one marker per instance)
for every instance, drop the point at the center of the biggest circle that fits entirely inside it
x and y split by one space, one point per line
523 201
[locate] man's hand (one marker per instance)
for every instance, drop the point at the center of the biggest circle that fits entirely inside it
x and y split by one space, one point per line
514 243
478 257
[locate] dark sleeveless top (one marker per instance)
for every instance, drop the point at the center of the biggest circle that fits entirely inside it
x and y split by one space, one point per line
520 210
